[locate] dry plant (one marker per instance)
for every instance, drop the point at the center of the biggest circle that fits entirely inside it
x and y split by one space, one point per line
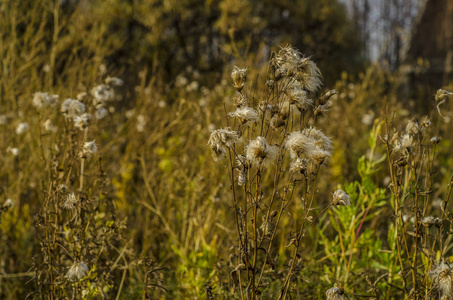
264 182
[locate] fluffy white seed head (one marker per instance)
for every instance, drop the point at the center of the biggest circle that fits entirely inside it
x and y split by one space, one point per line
340 198
72 108
114 81
82 121
335 294
70 201
239 77
89 148
41 100
77 271
442 274
22 128
245 114
259 152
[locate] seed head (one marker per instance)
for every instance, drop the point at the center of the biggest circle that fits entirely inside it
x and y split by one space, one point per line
335 294
428 221
435 140
258 151
100 113
242 178
70 201
89 148
412 127
299 145
72 108
41 100
8 203
22 128
13 151
102 94
299 165
341 198
245 114
77 271
82 121
239 77
443 275
114 81
223 138
321 140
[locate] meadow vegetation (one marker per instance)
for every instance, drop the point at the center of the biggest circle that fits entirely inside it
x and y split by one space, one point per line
170 150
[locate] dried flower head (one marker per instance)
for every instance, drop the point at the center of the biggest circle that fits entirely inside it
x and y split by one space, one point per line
77 271
100 113
13 151
245 114
440 98
70 201
8 203
242 178
335 294
428 221
442 274
114 81
102 94
291 63
89 148
435 140
82 121
299 165
240 100
239 77
49 127
223 138
412 127
321 140
41 100
341 198
72 108
259 152
299 145
22 128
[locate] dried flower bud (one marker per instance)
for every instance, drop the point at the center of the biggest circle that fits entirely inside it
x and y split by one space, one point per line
327 96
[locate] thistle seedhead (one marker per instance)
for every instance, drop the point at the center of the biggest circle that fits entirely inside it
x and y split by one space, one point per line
72 108
70 202
22 128
335 294
259 152
412 127
89 148
442 274
77 271
340 198
41 100
245 114
291 63
239 77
